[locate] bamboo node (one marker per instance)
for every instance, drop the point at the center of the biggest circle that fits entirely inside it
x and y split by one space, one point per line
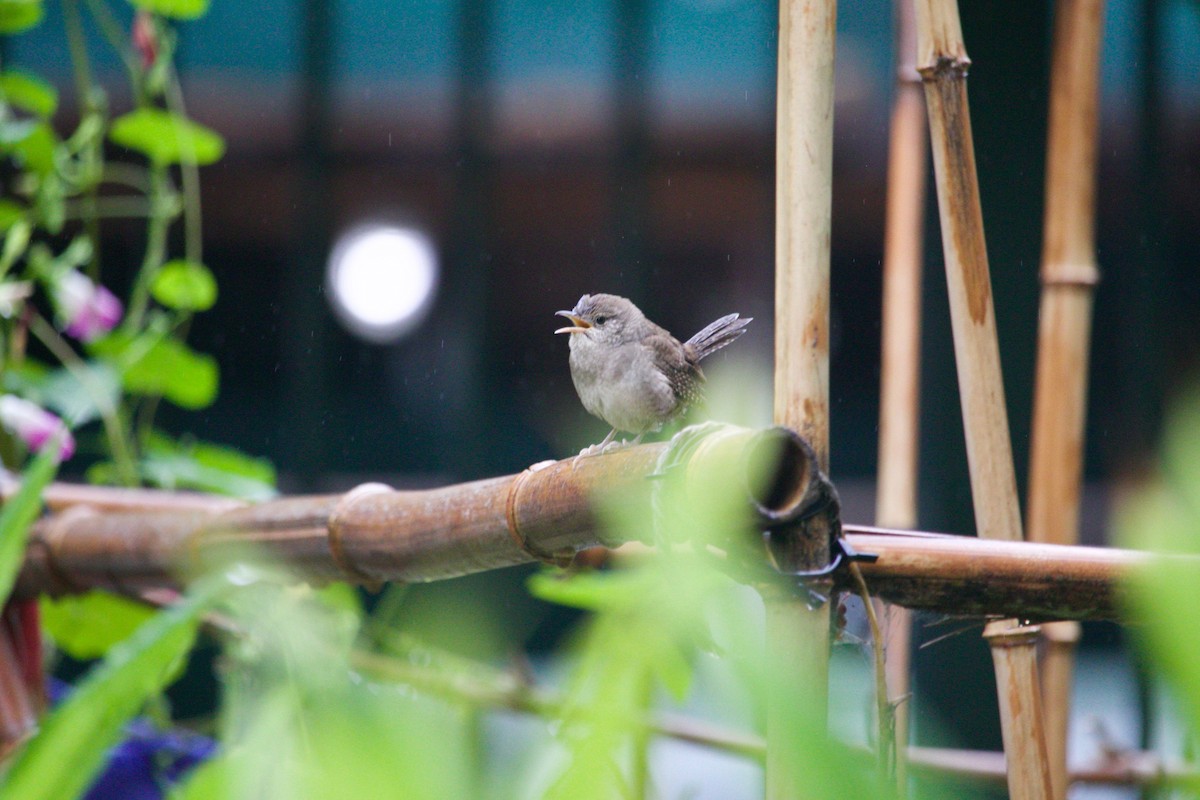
1008 633
56 528
560 559
336 550
1083 275
949 67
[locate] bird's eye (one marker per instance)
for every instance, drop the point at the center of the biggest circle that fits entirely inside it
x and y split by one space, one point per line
601 320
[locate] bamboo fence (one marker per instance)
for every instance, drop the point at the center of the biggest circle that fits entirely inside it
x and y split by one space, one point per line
139 542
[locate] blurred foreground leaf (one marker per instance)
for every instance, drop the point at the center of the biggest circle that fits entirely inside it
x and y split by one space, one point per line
87 626
18 515
298 722
1164 516
69 749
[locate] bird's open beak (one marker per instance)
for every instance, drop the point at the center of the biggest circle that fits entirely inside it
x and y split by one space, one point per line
579 324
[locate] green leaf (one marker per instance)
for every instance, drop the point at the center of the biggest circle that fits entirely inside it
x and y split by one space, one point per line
167 138
30 142
62 390
609 591
29 93
16 241
162 366
179 9
208 467
88 626
18 515
185 285
1164 515
82 729
19 15
10 214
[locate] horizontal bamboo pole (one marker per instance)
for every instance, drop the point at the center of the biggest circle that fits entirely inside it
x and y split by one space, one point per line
384 535
61 496
374 534
963 575
1133 768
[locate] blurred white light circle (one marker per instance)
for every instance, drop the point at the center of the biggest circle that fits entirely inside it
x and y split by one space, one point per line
381 279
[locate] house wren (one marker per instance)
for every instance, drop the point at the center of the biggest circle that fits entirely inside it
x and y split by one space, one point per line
631 373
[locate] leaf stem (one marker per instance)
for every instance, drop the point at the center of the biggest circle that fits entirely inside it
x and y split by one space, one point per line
113 428
189 177
156 247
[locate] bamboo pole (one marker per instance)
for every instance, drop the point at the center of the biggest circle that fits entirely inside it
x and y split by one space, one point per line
1134 768
1069 275
798 636
1014 653
966 576
61 496
900 373
943 63
374 534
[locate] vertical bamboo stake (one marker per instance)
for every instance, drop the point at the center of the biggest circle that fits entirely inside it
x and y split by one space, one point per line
899 395
942 61
1069 274
798 637
1014 654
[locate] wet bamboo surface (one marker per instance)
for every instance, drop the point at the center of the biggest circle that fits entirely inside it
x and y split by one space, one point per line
943 63
373 534
797 635
1069 275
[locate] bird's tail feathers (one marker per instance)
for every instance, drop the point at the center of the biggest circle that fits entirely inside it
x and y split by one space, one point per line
718 334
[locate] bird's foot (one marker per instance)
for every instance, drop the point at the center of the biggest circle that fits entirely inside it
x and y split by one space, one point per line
605 446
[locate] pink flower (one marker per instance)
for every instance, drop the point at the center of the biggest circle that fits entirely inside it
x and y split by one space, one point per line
145 39
85 310
35 426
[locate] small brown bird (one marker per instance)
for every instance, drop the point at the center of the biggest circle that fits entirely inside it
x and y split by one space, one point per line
631 373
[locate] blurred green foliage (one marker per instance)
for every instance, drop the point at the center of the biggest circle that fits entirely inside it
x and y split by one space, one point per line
125 357
1163 515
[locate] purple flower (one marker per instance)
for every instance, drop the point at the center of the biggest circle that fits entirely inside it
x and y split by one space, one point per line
34 425
85 309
